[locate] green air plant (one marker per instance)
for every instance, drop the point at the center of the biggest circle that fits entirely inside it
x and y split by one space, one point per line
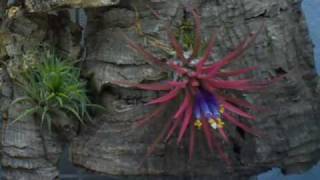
53 86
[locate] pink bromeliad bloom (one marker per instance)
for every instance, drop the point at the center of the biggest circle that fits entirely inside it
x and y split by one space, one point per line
203 85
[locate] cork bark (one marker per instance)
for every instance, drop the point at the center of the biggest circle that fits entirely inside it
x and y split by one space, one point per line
291 123
28 151
112 147
51 5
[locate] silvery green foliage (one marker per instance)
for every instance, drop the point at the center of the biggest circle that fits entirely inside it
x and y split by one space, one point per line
52 86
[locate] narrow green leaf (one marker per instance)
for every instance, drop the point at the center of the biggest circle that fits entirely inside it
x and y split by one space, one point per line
60 101
21 99
75 113
97 106
26 113
50 96
49 123
43 116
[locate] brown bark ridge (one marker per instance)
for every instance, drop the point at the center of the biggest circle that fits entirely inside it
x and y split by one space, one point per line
291 122
28 153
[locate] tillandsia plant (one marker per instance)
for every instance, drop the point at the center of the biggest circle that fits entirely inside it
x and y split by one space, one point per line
52 86
208 103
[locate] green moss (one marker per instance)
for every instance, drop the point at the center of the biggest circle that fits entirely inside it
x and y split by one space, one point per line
186 34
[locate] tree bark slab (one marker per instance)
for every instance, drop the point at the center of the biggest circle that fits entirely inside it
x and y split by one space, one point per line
291 124
49 5
29 152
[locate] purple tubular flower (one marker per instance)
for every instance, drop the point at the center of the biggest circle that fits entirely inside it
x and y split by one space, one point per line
212 102
207 104
197 110
203 105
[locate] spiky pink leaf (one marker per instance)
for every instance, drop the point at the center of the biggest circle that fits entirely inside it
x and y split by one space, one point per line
208 134
234 54
241 102
186 102
152 86
167 97
177 47
147 55
159 138
173 128
145 119
186 122
197 31
206 56
224 135
213 143
177 68
236 73
236 122
241 85
207 86
236 110
218 148
211 85
226 60
191 142
178 84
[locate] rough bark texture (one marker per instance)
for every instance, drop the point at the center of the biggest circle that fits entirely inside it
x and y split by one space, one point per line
27 152
48 5
3 4
291 124
111 146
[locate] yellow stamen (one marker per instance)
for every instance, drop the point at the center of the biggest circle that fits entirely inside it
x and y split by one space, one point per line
213 123
198 124
220 123
221 109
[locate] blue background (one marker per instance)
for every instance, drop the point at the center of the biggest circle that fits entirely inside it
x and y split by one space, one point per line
311 9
